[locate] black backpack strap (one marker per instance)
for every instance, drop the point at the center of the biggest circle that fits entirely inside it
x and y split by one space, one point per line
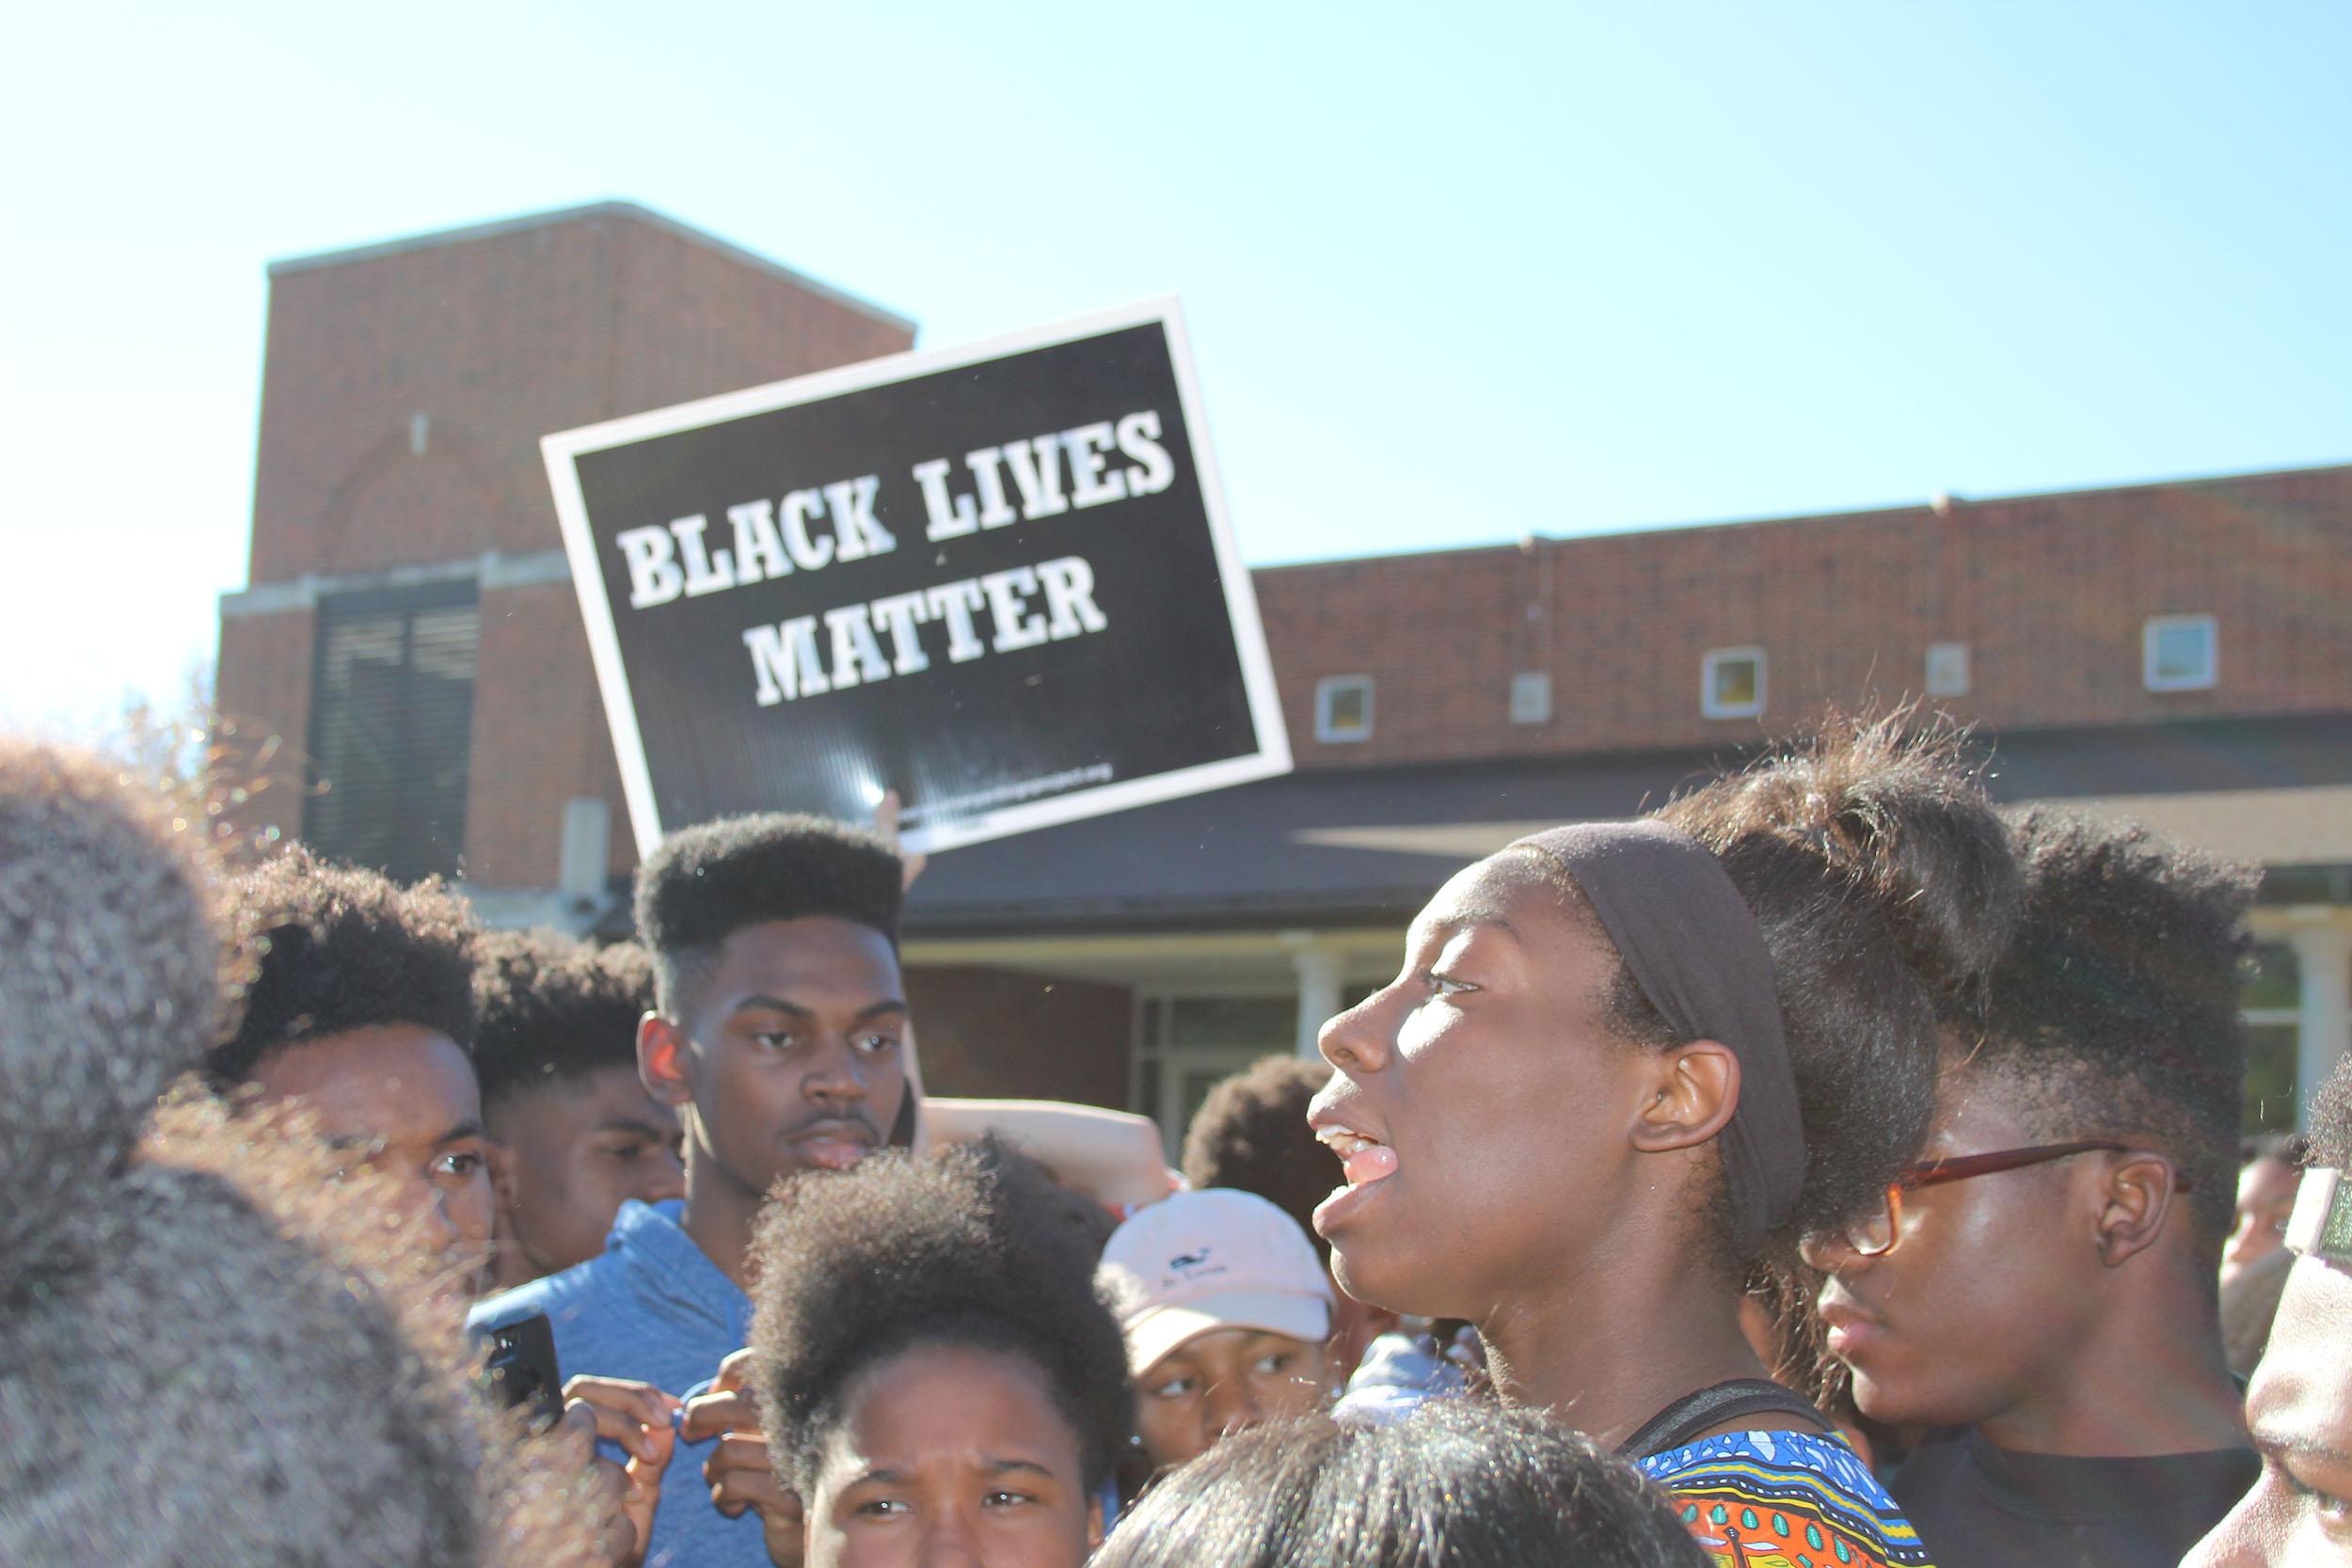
1693 1414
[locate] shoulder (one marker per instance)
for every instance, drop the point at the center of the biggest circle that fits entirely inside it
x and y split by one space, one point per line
573 1302
1792 1491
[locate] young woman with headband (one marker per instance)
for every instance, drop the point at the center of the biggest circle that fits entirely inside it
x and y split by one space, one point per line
1626 1064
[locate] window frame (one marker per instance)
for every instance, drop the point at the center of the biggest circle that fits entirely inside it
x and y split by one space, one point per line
1326 688
2152 631
1715 657
1529 680
1950 651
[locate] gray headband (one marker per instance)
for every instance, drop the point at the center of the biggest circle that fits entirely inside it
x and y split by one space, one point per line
1692 943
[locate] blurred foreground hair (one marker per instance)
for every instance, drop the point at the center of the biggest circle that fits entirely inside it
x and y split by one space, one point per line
1459 1483
210 1353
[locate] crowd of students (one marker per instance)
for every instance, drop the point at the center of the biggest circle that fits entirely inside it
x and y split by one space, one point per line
1822 1169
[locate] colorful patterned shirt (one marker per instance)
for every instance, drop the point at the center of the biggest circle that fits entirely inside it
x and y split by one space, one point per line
1785 1500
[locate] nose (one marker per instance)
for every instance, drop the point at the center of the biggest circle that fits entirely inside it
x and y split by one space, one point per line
665 1177
1231 1407
1829 1252
421 1198
1357 1039
952 1542
839 1079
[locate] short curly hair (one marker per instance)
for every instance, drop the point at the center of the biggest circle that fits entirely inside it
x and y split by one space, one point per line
339 948
551 1008
902 1253
1251 1133
2329 1144
2116 1006
325 1418
1458 1482
706 883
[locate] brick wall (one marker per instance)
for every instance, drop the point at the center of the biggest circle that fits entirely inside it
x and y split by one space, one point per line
999 1034
263 693
502 336
498 339
539 739
2048 592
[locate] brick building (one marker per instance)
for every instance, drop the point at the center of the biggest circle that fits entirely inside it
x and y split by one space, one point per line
2179 652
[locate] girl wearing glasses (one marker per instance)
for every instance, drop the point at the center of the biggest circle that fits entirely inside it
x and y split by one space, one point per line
1626 1063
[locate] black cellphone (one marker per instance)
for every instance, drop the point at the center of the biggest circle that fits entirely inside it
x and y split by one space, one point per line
520 1370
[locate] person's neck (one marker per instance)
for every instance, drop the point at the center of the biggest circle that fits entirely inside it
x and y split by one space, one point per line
718 1218
2146 1376
1608 1349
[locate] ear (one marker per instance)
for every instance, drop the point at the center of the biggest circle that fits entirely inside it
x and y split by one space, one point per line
1688 1099
1094 1523
662 1061
2136 1199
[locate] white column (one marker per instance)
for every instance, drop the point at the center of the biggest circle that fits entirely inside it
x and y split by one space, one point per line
2324 952
1318 994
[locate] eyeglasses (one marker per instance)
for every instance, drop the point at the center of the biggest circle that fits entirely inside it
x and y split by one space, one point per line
1874 1234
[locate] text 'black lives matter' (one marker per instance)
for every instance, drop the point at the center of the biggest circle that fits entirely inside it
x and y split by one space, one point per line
998 580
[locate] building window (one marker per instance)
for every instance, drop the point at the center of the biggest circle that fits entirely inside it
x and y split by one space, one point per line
1186 1045
391 728
1947 669
2179 653
1731 683
2272 1008
1343 708
1531 698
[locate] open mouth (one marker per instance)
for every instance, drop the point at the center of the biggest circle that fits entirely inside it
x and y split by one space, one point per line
833 1145
1363 1159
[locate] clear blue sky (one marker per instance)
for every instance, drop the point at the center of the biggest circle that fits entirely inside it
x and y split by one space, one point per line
1552 268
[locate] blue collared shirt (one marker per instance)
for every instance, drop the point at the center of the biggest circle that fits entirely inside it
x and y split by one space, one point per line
656 1309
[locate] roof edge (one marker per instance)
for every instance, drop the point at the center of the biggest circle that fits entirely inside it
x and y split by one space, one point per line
630 209
1926 509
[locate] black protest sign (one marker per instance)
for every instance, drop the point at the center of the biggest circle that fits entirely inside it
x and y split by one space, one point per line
997 579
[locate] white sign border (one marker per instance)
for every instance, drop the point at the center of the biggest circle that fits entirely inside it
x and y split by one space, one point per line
1272 757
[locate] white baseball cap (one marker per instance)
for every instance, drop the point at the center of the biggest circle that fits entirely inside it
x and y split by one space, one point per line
1198 1262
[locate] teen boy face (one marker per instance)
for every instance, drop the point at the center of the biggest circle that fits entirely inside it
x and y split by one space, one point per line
1224 1382
2299 1406
402 1098
786 1055
1977 1310
571 1153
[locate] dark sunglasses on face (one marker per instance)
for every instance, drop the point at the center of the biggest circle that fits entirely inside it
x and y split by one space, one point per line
1874 1234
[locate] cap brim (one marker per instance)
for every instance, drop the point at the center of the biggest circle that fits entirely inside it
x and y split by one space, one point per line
1166 1328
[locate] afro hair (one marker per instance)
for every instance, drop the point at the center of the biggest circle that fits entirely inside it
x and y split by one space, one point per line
1881 878
902 1253
706 883
551 1009
2115 1007
1251 1133
2328 1144
339 948
210 1352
